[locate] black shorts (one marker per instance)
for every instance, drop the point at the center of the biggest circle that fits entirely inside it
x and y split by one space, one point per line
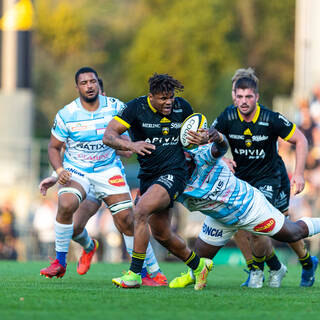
276 190
173 182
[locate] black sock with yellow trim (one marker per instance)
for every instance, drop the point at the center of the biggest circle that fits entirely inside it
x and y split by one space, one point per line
258 262
306 261
193 261
137 261
250 264
273 262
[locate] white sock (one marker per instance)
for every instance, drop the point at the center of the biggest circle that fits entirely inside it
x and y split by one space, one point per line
313 225
83 239
63 236
152 263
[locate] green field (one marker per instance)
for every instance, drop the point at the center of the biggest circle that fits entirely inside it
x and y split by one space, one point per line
24 294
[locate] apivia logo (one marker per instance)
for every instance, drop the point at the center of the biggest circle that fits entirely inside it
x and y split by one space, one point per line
251 153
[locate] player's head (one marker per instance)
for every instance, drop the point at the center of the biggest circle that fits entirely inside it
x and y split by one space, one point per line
161 92
246 95
243 73
87 84
101 89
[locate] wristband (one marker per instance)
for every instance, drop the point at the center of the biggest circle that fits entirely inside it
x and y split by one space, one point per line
54 174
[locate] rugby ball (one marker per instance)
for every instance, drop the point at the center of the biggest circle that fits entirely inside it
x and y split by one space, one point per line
194 122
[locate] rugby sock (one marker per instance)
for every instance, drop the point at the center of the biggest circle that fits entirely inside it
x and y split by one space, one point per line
306 261
258 262
193 261
137 261
250 264
128 241
84 240
273 262
313 225
63 236
151 260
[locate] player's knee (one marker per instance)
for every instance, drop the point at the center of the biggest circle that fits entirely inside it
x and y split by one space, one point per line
124 222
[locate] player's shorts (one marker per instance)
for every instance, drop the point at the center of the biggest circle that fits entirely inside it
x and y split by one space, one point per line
276 189
99 184
262 218
174 182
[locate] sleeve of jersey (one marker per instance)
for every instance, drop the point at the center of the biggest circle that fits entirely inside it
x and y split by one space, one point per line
283 127
126 114
203 154
219 124
59 129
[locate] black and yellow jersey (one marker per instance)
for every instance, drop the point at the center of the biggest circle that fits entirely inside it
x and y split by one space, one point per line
147 124
254 144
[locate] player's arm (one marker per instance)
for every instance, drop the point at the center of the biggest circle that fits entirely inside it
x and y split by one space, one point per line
112 138
55 159
122 153
220 145
299 140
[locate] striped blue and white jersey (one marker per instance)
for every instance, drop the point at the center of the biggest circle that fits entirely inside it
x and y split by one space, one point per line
214 190
82 132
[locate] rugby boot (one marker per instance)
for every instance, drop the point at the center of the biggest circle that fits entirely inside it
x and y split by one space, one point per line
308 275
276 276
160 279
148 281
84 262
128 280
201 273
54 270
255 278
183 281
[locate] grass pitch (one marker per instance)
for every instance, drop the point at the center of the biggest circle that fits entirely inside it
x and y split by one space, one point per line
24 294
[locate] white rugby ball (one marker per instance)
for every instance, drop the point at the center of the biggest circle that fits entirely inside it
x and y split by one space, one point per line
194 122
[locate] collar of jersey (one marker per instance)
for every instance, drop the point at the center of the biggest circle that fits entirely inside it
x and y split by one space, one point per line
256 116
150 106
102 102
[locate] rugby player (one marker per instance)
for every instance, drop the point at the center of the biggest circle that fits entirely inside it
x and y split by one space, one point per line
155 121
252 131
89 170
231 204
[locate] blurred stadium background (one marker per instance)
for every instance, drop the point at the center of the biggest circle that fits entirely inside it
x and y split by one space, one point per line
43 43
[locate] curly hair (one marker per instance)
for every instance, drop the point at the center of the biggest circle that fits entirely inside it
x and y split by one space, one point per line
160 83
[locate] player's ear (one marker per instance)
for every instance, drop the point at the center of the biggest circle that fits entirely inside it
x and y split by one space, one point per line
257 97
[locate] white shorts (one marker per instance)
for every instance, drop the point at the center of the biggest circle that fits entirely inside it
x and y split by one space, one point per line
262 218
100 184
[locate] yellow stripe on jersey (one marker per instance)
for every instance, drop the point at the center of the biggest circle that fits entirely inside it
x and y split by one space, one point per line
288 137
127 125
256 115
151 107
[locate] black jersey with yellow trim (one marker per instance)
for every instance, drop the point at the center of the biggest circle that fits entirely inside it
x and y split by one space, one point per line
254 144
145 123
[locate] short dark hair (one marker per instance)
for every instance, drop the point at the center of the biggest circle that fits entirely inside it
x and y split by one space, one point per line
84 70
100 81
246 83
159 83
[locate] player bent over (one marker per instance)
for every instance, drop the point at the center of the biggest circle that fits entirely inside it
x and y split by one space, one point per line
231 204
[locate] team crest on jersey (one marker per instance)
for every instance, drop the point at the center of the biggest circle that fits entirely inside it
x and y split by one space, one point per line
247 138
265 226
117 181
165 131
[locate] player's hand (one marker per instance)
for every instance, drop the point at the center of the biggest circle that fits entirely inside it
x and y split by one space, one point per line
64 177
230 163
199 137
297 184
47 183
215 135
142 147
